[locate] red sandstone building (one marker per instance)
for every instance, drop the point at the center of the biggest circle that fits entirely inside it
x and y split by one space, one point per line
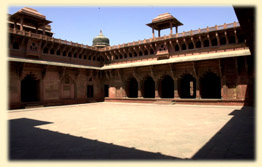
211 65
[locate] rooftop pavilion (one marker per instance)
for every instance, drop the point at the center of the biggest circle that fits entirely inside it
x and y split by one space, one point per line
164 21
30 17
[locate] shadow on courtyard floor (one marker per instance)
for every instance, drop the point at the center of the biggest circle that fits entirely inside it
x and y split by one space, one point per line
27 142
235 141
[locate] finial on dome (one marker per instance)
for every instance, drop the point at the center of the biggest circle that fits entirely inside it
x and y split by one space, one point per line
100 32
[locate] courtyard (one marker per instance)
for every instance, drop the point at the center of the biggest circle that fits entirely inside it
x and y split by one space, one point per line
119 131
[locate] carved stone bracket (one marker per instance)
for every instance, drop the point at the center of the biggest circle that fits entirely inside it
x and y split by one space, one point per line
77 74
119 75
107 75
91 73
195 69
134 73
62 71
45 68
171 44
151 68
44 44
20 69
172 70
111 74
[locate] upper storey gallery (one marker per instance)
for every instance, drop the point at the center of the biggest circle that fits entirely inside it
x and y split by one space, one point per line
30 37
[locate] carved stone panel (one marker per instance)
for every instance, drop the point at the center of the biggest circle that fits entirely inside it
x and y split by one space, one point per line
51 90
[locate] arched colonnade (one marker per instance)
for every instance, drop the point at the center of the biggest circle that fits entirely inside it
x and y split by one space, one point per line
186 86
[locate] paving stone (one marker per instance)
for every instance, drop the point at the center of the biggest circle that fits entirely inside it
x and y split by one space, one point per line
132 131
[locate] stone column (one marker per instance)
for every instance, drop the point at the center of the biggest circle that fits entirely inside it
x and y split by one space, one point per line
176 29
236 38
41 90
43 29
36 29
156 90
15 25
153 33
227 41
123 90
21 23
176 95
198 96
223 82
171 31
139 94
158 33
112 92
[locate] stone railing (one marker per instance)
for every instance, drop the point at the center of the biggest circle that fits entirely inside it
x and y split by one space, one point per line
134 43
177 35
48 38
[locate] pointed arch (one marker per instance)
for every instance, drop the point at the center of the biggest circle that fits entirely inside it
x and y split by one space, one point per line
166 87
132 88
210 86
30 88
187 86
148 90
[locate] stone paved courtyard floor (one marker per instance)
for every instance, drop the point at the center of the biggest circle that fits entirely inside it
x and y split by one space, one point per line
132 131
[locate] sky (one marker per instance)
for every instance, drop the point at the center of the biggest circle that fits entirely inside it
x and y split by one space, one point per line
125 24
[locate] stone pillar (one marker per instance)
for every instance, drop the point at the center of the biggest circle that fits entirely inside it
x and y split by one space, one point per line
223 82
171 31
156 90
153 33
123 90
112 92
21 23
236 38
14 25
176 29
41 90
198 96
158 33
44 30
176 95
36 29
227 41
139 94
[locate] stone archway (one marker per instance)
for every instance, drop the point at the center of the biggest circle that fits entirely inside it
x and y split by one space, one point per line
30 89
210 86
187 88
132 88
167 87
149 88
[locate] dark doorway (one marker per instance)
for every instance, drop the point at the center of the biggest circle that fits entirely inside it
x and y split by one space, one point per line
30 89
214 42
187 86
132 88
223 41
90 91
149 88
210 86
167 87
106 87
15 45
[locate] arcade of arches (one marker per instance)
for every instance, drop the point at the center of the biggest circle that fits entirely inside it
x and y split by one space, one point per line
209 84
54 85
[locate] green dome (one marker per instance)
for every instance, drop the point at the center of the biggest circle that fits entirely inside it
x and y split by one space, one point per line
100 41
